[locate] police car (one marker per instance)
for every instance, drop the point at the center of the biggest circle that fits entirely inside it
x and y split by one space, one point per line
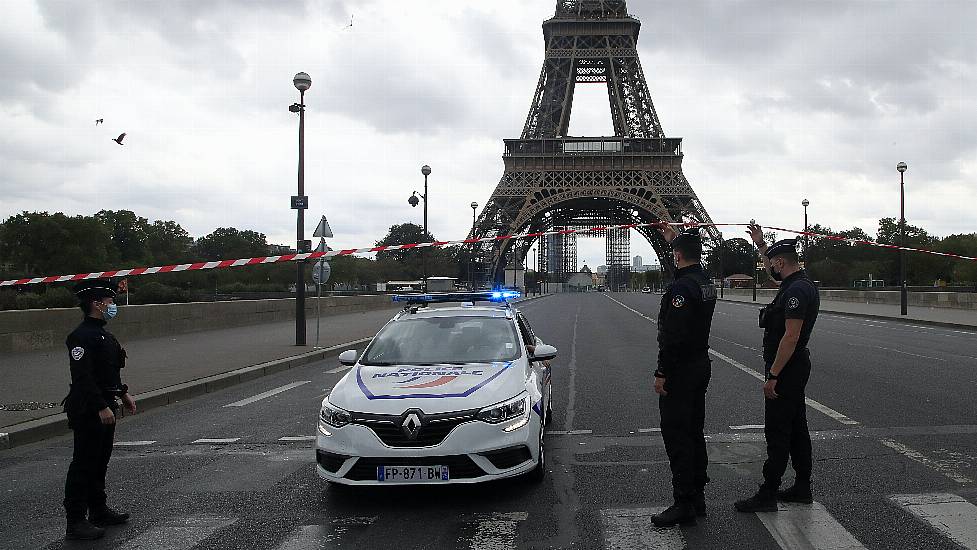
456 388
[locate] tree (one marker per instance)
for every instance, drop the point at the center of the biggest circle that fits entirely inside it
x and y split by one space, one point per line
168 242
734 256
440 261
38 243
228 243
129 235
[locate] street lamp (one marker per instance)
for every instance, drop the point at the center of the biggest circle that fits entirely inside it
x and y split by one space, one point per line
471 265
302 82
805 203
904 294
426 170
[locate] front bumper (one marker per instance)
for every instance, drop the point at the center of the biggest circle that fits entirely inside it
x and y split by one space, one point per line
474 452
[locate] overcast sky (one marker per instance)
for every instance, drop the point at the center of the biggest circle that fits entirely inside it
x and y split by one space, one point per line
777 101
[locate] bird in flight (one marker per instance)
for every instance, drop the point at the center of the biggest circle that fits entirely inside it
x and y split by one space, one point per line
99 121
119 139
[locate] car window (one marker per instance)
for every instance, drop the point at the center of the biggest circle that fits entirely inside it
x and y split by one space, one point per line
438 340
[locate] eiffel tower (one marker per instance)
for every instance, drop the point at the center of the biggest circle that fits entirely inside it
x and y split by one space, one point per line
552 180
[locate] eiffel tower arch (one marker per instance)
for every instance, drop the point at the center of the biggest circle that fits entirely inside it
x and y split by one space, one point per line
552 180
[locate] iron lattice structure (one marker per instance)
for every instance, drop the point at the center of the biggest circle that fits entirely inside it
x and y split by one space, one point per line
553 180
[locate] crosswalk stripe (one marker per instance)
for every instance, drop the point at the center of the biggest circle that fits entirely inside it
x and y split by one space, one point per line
496 531
309 537
748 427
133 443
632 529
949 514
297 438
807 527
179 533
937 465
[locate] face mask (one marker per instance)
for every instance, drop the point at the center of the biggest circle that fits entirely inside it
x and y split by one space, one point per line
775 274
111 311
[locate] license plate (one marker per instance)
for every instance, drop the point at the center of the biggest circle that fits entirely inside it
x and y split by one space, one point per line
412 474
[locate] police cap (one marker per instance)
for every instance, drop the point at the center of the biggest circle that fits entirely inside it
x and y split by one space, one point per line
782 247
95 289
689 237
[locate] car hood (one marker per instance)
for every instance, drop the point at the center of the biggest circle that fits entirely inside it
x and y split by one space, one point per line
433 389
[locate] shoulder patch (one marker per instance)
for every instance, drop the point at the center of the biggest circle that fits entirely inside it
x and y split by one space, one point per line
678 301
77 353
793 303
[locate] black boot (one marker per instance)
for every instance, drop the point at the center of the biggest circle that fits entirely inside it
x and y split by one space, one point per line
82 530
682 512
103 516
765 500
799 492
699 503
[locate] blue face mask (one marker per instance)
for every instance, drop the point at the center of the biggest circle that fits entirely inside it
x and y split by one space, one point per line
111 311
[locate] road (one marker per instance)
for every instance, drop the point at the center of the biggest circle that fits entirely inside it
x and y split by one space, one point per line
892 412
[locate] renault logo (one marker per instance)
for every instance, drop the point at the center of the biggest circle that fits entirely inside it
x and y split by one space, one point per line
411 425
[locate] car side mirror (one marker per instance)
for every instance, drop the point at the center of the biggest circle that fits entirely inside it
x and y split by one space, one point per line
348 358
544 352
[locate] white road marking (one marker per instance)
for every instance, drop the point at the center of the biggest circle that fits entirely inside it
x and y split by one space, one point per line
748 427
309 537
572 384
648 430
340 368
570 432
949 514
807 527
937 465
632 310
632 529
216 441
133 443
180 533
267 394
496 531
734 343
897 351
824 409
298 438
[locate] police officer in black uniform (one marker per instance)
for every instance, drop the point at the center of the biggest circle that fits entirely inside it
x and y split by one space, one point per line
787 324
683 376
96 358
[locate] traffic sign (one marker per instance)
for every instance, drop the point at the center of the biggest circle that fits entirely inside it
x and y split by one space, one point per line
300 203
320 272
323 247
323 230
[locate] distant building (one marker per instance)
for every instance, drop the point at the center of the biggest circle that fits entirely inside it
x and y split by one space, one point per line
637 263
279 250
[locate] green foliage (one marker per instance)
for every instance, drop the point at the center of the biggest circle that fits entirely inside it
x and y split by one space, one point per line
733 256
441 262
157 293
229 243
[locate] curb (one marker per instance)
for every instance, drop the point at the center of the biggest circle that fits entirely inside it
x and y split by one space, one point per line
905 321
55 425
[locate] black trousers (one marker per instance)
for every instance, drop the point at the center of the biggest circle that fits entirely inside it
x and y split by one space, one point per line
785 425
84 488
683 416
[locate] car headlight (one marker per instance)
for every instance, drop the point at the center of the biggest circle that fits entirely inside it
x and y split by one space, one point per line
332 416
513 409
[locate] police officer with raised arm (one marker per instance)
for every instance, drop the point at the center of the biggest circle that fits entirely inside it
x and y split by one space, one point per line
683 376
96 358
787 324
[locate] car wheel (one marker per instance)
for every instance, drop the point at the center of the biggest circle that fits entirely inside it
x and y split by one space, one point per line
537 474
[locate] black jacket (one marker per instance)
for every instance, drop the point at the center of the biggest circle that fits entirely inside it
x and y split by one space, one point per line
685 319
96 358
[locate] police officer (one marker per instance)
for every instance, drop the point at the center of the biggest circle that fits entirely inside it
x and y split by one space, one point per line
683 376
96 358
787 324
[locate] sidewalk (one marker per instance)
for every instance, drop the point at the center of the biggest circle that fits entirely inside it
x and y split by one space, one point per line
956 318
154 363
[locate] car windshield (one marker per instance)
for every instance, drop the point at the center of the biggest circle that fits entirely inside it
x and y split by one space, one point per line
440 340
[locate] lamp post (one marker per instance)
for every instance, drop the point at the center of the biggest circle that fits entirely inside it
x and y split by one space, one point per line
904 293
302 82
471 265
426 170
805 203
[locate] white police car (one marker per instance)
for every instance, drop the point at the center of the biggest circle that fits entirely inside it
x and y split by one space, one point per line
457 393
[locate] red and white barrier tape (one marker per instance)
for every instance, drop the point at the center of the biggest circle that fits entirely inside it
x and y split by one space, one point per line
223 264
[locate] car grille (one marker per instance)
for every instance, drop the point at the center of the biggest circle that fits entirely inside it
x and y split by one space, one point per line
508 457
459 466
330 462
433 429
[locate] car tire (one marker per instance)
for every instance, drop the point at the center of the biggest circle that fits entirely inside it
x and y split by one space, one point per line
537 474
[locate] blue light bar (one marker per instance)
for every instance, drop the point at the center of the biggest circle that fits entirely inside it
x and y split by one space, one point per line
486 296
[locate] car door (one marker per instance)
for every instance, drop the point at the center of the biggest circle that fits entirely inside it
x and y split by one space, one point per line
541 368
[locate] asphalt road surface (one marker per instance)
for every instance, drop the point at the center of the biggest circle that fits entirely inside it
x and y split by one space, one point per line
892 412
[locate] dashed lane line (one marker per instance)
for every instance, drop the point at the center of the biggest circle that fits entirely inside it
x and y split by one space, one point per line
824 409
949 514
748 427
217 441
133 443
293 438
267 394
919 457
